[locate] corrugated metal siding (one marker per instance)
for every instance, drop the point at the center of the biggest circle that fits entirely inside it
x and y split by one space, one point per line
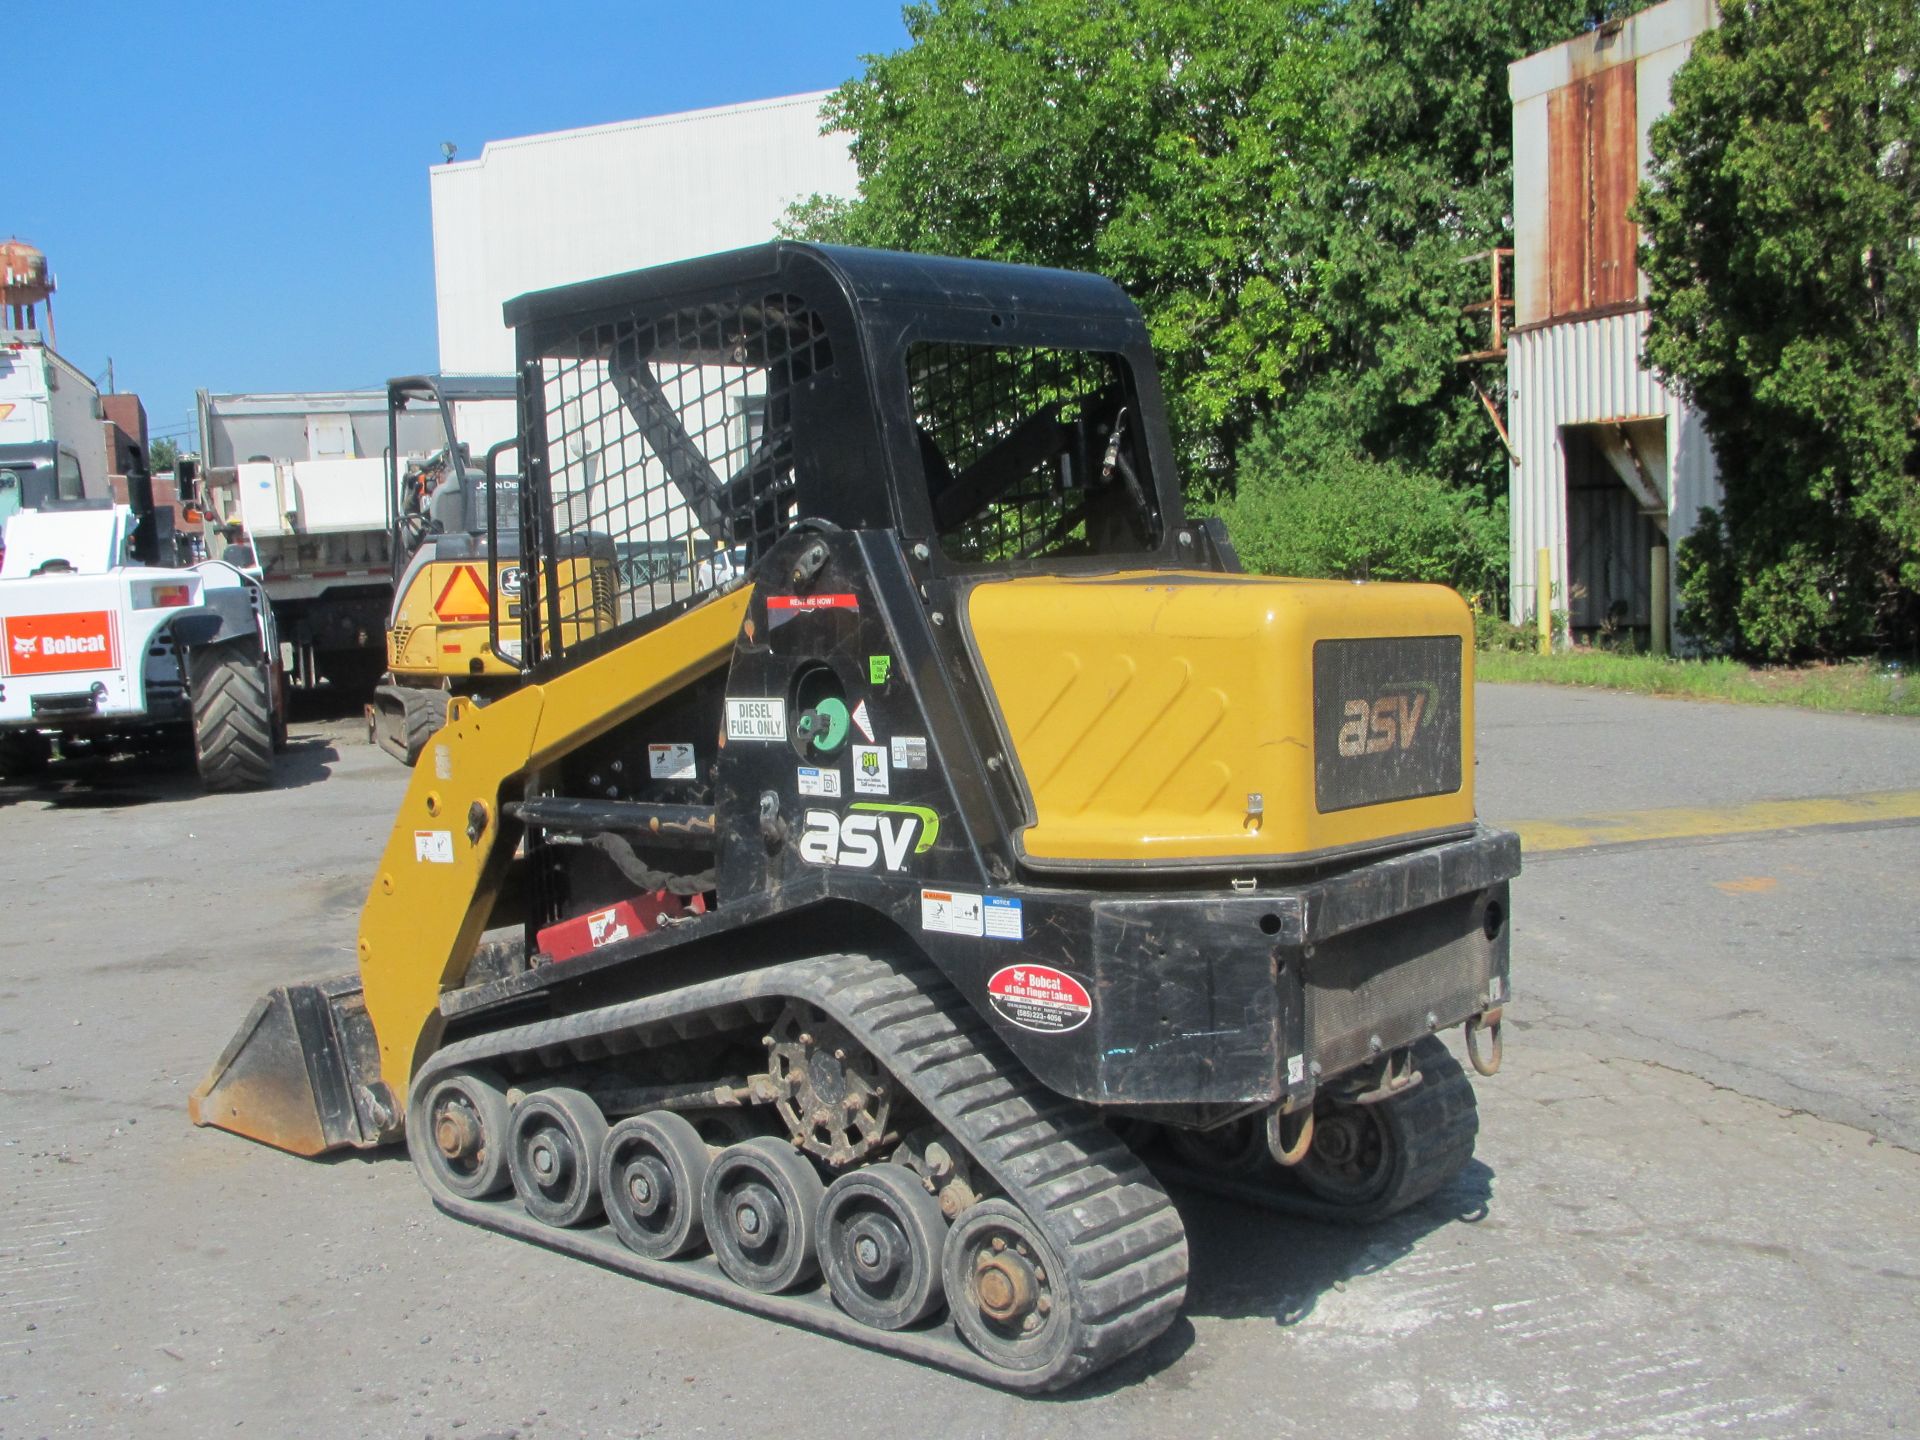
1587 372
545 210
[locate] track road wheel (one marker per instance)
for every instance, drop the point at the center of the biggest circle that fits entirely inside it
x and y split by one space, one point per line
653 1168
1007 1290
24 753
232 696
762 1203
462 1147
881 1236
1238 1147
553 1151
1370 1161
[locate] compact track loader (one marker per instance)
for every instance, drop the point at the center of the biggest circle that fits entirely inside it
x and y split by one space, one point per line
863 939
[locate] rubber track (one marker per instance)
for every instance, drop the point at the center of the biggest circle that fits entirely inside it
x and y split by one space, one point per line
1112 1224
423 720
232 716
1439 1122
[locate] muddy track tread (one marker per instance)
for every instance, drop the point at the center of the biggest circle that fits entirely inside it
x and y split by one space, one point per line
232 716
1119 1238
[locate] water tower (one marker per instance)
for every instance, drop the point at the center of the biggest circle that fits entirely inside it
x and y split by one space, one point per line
25 282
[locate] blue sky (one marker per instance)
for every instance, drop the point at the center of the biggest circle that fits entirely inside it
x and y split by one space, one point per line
234 196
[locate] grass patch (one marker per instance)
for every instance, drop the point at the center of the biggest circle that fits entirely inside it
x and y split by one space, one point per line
1867 687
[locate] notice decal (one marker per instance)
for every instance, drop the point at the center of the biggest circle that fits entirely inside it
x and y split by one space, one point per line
1040 998
814 781
756 719
671 762
782 608
1003 918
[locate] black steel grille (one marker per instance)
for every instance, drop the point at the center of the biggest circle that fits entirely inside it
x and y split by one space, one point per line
669 437
1029 453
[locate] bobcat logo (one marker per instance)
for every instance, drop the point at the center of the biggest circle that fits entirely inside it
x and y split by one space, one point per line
25 645
1373 727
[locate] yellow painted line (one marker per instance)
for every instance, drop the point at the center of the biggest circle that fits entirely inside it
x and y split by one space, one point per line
1688 822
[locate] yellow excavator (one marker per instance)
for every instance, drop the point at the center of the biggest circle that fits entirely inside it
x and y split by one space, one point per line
880 936
459 585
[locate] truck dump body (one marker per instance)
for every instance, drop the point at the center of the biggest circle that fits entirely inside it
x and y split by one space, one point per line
1018 820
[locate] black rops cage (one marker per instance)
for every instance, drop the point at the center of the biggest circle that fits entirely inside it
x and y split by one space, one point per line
1002 416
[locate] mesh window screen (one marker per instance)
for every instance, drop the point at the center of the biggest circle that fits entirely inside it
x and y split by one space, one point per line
1030 453
670 437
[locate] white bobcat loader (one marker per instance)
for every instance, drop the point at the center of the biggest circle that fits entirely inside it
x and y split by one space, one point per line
104 644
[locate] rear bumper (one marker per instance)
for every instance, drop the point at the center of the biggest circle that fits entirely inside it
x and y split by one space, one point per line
1257 997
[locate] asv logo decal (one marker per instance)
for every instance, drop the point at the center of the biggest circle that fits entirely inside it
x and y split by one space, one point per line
869 834
1374 726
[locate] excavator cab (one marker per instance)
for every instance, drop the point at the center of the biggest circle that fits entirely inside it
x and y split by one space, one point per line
867 932
459 587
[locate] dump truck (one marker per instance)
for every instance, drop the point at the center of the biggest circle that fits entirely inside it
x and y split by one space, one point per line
869 940
301 485
52 446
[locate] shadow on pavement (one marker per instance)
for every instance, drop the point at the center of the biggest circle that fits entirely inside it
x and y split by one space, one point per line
113 782
1249 1263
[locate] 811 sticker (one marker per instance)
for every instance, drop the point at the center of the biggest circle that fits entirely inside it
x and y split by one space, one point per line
1040 998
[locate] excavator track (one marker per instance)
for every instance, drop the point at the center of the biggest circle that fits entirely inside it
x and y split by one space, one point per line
1429 1131
1106 1243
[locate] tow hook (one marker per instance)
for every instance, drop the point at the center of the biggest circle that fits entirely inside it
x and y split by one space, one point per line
1289 1136
1488 1020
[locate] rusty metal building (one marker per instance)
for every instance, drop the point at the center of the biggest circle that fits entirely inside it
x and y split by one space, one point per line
1607 464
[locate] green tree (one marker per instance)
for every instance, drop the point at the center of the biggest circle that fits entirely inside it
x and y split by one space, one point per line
162 455
1781 220
1286 187
1413 174
1155 141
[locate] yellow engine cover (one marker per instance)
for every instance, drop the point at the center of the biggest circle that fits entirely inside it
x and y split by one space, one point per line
1174 718
439 624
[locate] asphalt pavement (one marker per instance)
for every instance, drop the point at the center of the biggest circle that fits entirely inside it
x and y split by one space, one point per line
1692 1210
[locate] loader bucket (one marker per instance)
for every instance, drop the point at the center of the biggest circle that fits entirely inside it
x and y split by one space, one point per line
302 1073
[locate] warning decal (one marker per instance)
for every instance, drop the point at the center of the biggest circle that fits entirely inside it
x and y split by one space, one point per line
464 596
1039 997
782 608
433 847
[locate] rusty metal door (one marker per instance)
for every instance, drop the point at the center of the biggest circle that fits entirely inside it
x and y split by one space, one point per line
1592 174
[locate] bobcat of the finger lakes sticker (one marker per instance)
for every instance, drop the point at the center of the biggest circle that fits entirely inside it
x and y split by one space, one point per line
1039 997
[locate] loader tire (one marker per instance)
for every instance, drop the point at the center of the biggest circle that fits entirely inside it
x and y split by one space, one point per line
232 715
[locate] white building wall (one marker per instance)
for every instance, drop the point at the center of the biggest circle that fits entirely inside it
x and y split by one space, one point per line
546 210
1579 373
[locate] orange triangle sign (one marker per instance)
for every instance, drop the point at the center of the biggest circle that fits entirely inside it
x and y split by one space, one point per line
464 596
